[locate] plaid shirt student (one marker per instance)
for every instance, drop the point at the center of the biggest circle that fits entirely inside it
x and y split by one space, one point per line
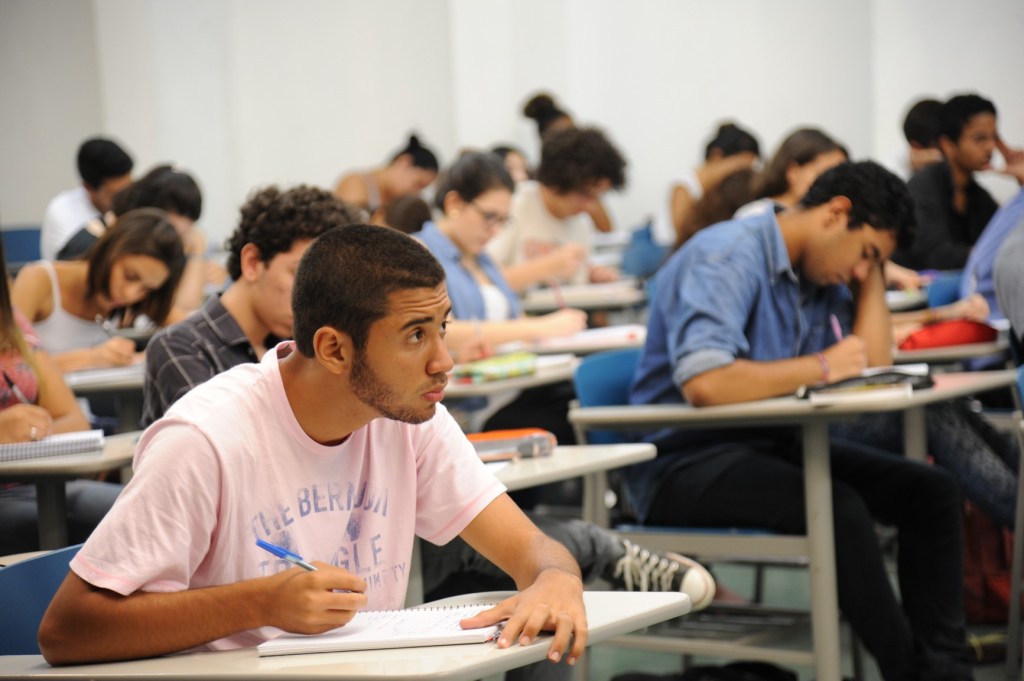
192 352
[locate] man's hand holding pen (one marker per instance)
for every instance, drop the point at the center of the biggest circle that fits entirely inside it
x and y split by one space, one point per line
312 602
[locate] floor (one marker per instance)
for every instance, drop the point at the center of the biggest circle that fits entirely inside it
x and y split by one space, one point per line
784 588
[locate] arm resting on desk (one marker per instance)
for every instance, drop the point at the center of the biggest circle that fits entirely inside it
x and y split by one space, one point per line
746 380
551 589
88 624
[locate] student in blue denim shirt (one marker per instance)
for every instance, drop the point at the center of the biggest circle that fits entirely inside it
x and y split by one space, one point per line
741 313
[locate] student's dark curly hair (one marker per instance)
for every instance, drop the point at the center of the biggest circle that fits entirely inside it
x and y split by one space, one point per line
273 220
958 110
880 199
346 277
573 159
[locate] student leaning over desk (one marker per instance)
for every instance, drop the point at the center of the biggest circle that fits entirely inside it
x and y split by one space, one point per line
34 403
742 312
132 271
335 447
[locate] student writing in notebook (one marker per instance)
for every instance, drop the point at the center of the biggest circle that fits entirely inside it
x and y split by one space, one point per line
335 447
550 236
34 403
275 228
133 270
742 312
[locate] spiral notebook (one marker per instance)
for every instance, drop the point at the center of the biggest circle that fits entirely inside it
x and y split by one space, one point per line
375 629
55 445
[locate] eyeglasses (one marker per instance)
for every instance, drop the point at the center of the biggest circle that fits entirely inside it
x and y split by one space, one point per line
492 219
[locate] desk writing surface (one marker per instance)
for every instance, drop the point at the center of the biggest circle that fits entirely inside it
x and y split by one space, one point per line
545 376
572 461
615 295
106 379
609 614
118 450
785 410
952 353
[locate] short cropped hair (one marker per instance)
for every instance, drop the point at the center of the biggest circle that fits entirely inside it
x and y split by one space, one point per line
959 110
878 197
921 125
347 275
100 159
273 219
144 231
573 158
167 187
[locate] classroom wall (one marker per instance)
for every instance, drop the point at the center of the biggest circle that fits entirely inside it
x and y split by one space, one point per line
246 92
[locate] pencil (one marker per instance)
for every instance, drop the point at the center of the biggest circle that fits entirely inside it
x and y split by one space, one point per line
556 291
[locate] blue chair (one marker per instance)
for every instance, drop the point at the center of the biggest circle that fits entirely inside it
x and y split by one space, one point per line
26 589
21 246
945 288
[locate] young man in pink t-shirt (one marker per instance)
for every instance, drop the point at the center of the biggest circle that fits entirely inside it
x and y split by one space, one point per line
334 447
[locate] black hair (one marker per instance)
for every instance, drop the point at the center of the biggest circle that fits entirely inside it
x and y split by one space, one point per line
574 158
143 231
878 197
100 159
166 187
347 275
959 110
922 123
503 150
473 174
422 157
273 220
800 147
541 108
731 139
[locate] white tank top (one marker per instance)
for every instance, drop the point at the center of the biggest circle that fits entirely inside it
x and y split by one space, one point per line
496 306
63 331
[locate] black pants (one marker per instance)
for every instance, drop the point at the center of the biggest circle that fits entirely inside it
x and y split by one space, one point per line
762 486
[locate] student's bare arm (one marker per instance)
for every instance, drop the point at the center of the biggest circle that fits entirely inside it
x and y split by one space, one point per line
88 624
746 380
872 320
551 589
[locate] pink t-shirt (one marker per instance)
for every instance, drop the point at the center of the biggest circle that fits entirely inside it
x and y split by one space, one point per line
229 464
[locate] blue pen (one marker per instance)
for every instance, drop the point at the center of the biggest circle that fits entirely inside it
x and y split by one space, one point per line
281 552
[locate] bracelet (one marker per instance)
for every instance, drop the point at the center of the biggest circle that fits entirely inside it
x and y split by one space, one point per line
824 366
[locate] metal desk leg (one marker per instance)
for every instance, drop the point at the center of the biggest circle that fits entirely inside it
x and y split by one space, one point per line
1013 628
820 532
595 486
915 434
51 505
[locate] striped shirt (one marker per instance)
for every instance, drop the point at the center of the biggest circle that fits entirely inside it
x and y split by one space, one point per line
192 352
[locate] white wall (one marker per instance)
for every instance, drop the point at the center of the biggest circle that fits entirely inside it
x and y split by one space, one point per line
50 101
247 92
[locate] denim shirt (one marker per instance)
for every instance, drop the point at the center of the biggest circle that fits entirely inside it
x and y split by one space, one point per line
730 293
463 289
